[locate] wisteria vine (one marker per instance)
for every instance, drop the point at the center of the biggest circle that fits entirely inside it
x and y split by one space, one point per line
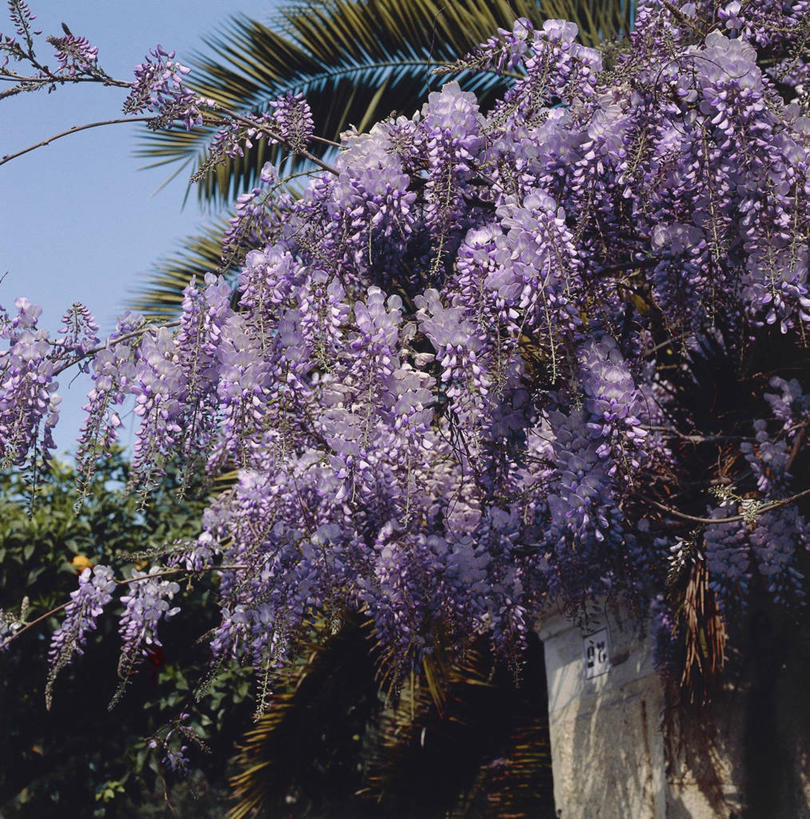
474 371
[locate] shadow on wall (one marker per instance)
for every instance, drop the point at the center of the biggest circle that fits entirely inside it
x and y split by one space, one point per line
607 752
748 751
625 745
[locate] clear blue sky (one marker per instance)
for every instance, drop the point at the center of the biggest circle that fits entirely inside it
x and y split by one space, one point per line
79 221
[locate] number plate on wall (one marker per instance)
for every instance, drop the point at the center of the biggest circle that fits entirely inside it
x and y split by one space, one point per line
596 649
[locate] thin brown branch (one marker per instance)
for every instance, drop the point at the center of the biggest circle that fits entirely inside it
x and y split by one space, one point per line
125 582
798 443
250 123
74 130
30 625
766 507
325 141
696 438
633 265
111 342
182 570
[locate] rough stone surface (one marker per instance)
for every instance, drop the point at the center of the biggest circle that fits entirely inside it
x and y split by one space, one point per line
624 745
606 742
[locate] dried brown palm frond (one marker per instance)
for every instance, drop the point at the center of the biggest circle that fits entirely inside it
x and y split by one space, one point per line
705 635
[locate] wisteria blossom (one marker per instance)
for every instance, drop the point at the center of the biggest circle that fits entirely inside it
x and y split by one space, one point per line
76 55
96 587
476 368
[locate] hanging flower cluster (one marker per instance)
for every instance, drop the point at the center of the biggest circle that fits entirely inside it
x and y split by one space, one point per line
160 87
460 377
28 399
86 604
76 55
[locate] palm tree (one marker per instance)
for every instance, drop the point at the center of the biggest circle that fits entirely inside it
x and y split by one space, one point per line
464 740
355 61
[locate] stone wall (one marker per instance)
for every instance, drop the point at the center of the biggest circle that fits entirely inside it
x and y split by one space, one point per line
624 746
605 722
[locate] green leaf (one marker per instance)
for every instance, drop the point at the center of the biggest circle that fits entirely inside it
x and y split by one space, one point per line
160 297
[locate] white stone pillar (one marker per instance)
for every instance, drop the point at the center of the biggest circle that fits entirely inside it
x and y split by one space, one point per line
605 703
615 756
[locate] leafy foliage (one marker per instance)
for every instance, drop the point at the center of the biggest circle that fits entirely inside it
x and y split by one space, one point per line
81 758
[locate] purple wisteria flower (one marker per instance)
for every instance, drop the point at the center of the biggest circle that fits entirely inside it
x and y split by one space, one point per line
76 55
288 123
293 117
490 360
146 603
28 398
160 87
96 587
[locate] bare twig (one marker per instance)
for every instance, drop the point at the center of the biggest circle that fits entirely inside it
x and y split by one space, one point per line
74 130
325 141
696 438
112 342
766 507
250 123
30 625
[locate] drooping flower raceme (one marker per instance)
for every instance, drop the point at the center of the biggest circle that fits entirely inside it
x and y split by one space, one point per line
96 587
146 603
160 87
477 368
76 55
28 399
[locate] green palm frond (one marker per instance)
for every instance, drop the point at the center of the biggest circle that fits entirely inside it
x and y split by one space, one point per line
334 743
483 751
355 61
304 745
159 297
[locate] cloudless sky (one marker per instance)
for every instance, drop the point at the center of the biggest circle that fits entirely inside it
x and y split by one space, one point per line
78 220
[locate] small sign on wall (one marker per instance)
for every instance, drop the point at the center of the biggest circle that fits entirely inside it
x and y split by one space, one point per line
596 651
